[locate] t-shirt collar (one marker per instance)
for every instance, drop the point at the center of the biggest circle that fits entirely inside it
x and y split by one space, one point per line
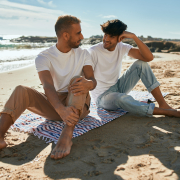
61 53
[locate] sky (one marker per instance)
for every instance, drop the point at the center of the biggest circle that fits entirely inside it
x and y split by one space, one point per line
156 18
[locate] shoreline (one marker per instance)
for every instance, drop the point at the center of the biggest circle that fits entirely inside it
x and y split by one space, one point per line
162 57
17 69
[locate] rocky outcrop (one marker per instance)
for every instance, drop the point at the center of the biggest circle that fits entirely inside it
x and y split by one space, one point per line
154 46
159 46
91 41
163 46
40 39
34 39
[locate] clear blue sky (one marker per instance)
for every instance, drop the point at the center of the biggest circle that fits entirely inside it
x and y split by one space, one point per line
157 18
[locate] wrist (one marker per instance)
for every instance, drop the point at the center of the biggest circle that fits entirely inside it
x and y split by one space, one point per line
134 37
59 108
91 85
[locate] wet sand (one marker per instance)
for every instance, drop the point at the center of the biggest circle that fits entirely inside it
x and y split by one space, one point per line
129 147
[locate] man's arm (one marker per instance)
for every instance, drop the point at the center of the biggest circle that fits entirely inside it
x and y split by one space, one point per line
84 85
68 114
143 53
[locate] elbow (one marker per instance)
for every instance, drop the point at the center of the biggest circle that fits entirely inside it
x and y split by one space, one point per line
47 87
150 58
94 83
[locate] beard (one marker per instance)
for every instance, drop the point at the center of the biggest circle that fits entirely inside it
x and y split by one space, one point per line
73 44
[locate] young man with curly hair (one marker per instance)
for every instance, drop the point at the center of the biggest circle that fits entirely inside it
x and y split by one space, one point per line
112 90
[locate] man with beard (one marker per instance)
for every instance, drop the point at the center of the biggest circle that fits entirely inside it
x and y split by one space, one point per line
59 67
111 90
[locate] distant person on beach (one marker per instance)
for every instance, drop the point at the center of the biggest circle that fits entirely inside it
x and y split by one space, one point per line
112 90
59 67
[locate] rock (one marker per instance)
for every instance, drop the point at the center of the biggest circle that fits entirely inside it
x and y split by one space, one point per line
152 49
157 50
34 39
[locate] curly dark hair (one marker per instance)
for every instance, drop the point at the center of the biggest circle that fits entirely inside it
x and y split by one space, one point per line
113 27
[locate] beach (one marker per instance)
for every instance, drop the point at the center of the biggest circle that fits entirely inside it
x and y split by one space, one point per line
129 147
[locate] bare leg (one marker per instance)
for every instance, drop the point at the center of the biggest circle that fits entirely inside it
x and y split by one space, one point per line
167 112
160 99
63 146
5 122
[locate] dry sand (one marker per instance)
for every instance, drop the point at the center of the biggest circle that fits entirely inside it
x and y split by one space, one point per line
129 147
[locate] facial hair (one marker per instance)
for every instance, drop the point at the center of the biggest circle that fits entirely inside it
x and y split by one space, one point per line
73 44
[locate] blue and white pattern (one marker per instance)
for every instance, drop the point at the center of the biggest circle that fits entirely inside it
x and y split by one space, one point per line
51 130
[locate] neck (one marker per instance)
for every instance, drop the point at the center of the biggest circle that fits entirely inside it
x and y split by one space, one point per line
111 49
62 46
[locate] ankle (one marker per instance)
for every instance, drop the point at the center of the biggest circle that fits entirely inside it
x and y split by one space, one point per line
68 131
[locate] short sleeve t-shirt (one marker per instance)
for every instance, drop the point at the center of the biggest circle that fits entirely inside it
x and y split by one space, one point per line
63 66
107 66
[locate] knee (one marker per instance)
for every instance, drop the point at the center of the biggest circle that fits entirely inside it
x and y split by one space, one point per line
20 89
124 98
74 79
141 64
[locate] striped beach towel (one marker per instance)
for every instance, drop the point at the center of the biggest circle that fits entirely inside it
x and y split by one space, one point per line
51 130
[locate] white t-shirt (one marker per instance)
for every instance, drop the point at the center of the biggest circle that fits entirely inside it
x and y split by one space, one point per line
63 66
107 66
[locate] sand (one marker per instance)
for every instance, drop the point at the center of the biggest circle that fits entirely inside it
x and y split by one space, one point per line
129 147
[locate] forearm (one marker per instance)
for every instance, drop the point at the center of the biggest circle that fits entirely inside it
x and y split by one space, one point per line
92 83
53 98
144 50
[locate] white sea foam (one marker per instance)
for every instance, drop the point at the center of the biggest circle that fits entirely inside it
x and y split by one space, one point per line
14 65
12 58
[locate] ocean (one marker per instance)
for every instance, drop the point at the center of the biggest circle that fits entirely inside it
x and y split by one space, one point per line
14 56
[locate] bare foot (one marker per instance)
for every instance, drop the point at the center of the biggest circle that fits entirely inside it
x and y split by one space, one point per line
63 147
176 113
165 106
2 143
173 112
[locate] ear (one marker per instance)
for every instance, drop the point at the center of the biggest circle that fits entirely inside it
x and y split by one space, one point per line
120 38
66 36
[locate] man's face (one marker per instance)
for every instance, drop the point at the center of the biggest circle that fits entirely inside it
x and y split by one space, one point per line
110 42
75 36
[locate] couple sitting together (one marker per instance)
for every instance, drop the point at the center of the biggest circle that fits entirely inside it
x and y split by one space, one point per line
68 73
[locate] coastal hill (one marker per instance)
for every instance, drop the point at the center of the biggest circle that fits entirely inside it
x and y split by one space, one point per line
155 44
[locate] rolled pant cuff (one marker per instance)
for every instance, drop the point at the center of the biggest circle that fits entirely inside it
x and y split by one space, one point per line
8 111
152 87
151 109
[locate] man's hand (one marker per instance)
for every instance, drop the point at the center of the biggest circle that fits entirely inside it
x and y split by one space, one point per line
80 86
69 115
126 34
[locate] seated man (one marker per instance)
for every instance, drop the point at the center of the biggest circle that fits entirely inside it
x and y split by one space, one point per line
58 67
111 91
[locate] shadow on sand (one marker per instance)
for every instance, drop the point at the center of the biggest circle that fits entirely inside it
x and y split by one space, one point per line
129 146
23 152
114 151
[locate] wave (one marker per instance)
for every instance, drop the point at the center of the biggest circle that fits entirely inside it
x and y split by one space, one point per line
24 46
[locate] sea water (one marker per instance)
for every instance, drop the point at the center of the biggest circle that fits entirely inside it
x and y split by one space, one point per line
19 55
